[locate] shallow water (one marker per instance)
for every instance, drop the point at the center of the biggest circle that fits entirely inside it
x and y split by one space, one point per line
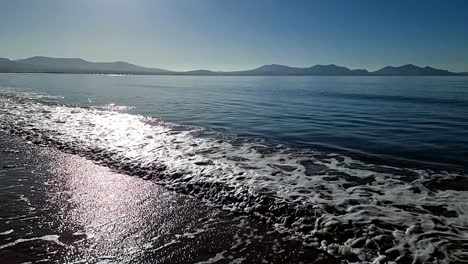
340 202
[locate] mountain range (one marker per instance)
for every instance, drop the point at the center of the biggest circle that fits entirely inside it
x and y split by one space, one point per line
40 64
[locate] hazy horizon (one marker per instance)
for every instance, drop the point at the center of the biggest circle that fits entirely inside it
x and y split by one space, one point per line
237 35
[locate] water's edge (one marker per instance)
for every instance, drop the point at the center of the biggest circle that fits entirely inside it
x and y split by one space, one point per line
360 211
58 207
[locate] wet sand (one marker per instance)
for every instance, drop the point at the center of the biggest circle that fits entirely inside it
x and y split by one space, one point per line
62 208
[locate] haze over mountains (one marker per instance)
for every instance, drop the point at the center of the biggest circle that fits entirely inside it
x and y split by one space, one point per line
72 65
75 65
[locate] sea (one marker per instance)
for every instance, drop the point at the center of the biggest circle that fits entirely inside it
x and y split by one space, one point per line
364 169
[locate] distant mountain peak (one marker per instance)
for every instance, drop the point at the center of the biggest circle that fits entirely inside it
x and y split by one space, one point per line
76 65
35 58
411 70
269 66
43 64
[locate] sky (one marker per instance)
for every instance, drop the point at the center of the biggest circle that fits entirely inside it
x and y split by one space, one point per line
240 34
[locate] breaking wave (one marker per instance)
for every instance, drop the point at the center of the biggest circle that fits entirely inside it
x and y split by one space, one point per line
349 208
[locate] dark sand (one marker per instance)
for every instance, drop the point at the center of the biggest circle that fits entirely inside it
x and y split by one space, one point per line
61 208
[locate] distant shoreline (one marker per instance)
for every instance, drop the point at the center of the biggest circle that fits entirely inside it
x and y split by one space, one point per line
231 75
40 64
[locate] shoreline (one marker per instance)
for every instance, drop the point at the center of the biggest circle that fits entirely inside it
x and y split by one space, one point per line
61 207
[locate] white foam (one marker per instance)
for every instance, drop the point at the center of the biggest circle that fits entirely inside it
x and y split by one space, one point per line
114 107
51 238
214 259
358 192
6 232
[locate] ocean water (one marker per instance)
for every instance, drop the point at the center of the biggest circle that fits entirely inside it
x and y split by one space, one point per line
372 168
422 119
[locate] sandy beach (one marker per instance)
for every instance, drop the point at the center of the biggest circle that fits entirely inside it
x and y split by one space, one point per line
59 208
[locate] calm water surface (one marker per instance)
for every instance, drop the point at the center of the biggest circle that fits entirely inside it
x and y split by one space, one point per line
422 119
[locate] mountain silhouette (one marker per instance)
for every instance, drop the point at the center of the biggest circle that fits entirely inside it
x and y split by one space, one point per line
411 70
317 70
73 65
39 64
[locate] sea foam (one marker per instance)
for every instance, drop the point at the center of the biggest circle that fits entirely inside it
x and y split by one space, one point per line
357 210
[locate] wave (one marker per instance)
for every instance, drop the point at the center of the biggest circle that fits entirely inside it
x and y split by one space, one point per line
114 107
11 92
358 210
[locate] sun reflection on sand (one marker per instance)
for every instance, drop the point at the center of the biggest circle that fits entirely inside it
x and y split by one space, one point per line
117 213
63 208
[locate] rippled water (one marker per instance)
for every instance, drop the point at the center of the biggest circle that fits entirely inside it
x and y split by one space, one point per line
414 118
350 205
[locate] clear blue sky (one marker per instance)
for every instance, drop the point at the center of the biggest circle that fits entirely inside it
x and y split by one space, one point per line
239 34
